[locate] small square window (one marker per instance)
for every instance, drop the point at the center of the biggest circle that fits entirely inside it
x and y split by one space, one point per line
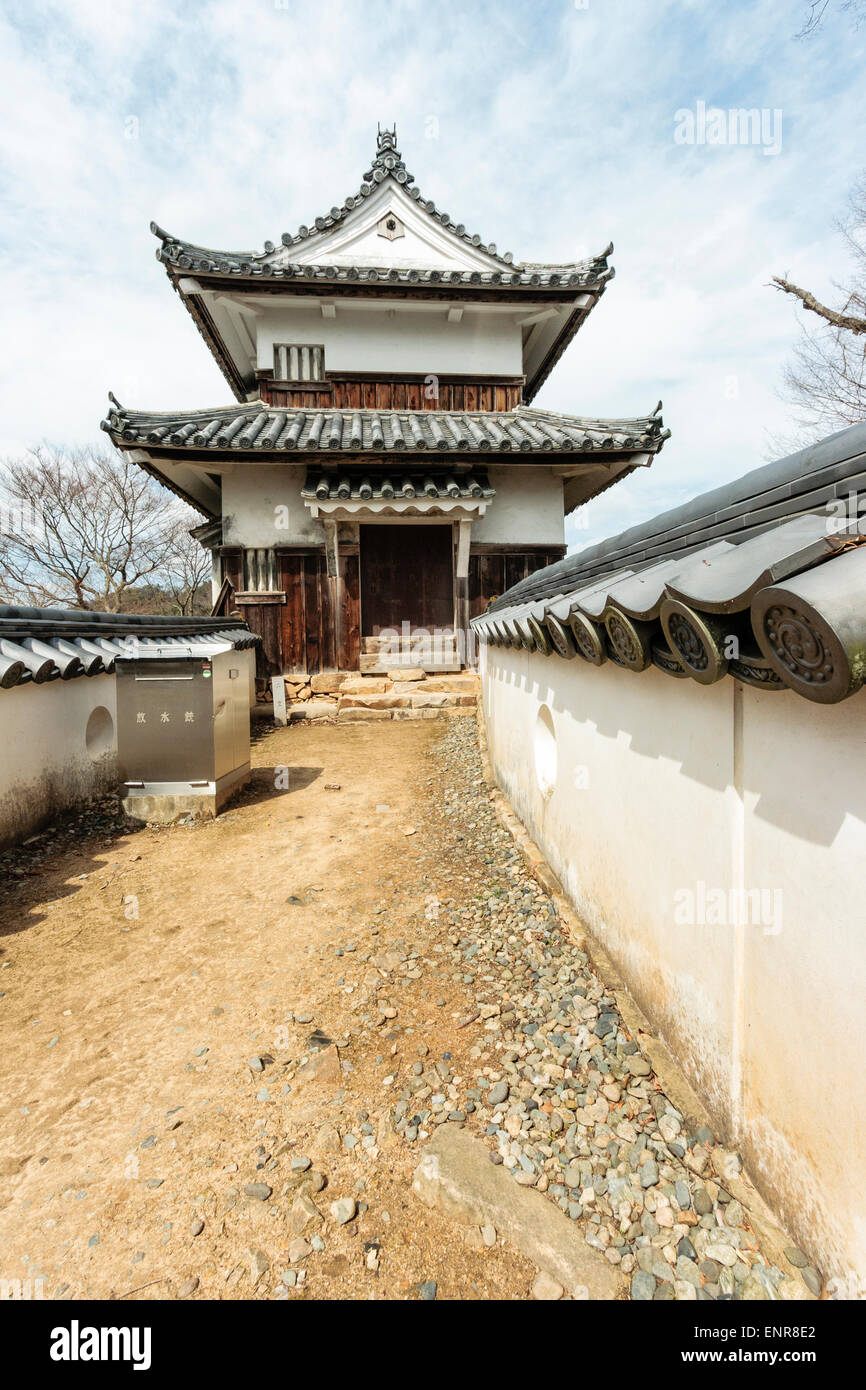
299 362
260 571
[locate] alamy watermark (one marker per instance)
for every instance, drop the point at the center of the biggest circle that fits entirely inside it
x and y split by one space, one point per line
703 906
713 125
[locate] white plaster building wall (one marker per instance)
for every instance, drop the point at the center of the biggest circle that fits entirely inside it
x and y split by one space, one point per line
661 786
804 773
527 508
254 496
382 338
59 746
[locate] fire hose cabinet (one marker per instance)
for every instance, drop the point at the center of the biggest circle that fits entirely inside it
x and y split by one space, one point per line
183 730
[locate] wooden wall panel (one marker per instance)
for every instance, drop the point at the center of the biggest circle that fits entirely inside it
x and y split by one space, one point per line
349 652
318 628
492 571
302 635
393 392
313 583
294 619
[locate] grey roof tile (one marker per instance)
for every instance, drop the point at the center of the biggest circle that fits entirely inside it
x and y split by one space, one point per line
258 427
378 486
773 595
735 512
387 164
45 644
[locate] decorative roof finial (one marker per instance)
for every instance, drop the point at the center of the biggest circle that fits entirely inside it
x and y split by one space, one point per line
386 139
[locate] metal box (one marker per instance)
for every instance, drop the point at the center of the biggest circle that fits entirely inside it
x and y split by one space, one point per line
183 728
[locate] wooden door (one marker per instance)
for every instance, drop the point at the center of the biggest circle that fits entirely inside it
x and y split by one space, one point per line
407 576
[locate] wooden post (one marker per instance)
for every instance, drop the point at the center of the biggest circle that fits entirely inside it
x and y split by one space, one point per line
332 570
463 634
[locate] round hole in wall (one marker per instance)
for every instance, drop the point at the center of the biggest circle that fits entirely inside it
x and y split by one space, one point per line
99 734
545 751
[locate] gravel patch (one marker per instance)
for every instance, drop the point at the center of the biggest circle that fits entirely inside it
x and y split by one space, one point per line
560 1090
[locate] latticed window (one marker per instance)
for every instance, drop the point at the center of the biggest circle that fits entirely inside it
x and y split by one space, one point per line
299 362
260 571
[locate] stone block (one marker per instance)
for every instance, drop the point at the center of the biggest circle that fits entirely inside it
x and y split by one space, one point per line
453 685
364 685
456 1177
373 701
359 716
327 682
407 673
312 709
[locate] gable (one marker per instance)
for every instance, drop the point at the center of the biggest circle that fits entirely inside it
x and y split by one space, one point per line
357 240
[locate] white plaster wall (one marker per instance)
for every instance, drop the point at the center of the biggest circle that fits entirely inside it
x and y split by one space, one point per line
355 240
46 766
252 493
527 508
402 340
662 784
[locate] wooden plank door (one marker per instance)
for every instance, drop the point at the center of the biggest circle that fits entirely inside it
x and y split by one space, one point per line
407 576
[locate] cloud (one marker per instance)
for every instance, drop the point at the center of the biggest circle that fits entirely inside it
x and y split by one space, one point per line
548 130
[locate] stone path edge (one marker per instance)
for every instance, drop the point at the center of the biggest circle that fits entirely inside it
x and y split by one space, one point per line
726 1163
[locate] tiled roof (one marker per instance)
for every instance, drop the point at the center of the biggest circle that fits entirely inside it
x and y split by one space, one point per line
182 255
388 164
268 429
764 579
359 487
46 644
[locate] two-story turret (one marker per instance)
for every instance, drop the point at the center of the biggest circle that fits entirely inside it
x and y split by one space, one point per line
383 469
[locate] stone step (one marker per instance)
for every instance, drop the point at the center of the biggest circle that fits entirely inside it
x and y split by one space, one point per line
374 663
413 699
409 643
365 715
399 694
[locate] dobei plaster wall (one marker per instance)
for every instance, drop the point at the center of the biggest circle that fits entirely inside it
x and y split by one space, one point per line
59 747
660 796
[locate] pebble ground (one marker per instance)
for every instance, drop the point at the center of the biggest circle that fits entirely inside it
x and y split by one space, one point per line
158 1132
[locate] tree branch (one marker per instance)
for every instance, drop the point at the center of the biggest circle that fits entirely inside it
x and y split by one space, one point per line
849 322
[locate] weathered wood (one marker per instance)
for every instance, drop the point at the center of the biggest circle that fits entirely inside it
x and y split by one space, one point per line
392 391
406 576
314 581
493 569
349 652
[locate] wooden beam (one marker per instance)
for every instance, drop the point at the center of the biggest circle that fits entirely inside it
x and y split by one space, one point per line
538 317
464 536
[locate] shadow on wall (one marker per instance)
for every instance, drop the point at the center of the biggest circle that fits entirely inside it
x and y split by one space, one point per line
792 720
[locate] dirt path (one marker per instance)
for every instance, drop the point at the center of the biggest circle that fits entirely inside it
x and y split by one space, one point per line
143 974
226 1047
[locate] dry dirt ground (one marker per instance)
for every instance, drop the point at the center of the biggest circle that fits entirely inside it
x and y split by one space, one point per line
140 975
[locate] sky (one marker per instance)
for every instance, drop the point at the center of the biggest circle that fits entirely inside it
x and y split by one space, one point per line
552 128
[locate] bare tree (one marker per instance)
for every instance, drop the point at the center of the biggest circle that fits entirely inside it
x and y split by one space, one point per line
84 529
827 378
818 9
187 571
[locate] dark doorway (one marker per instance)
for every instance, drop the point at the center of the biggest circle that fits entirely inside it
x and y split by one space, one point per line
406 577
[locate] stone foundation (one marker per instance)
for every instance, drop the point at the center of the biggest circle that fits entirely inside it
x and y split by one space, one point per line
403 693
